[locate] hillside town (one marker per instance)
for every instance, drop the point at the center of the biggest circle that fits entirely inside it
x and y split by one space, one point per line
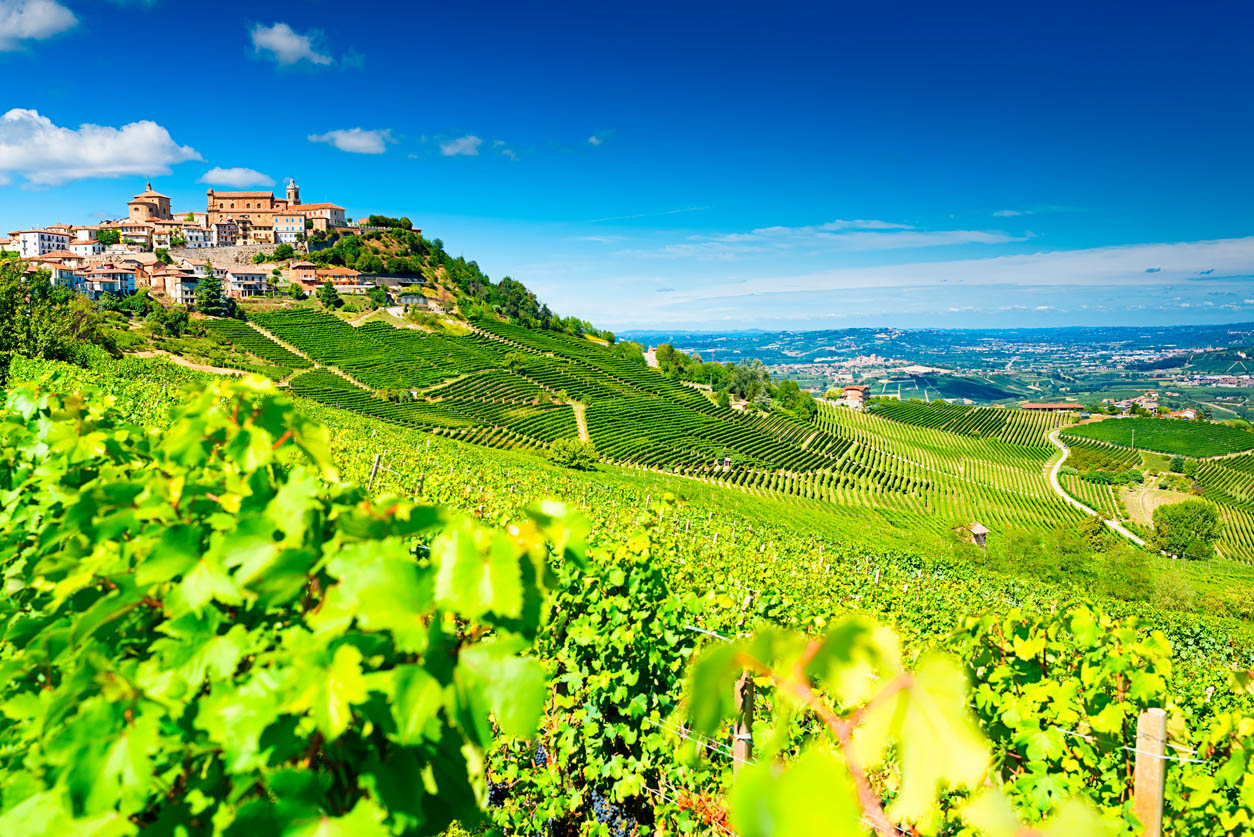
167 252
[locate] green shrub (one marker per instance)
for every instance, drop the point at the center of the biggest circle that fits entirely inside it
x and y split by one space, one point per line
573 453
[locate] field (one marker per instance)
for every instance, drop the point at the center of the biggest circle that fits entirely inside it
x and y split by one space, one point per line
1187 438
931 386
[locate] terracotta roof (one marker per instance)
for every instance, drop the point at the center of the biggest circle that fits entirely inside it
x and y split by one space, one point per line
242 194
979 529
1046 405
858 387
304 206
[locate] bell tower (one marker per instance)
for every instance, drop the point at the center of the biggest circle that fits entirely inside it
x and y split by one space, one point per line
293 192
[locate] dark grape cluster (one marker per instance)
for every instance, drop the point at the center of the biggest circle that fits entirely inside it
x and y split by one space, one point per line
612 815
498 792
541 757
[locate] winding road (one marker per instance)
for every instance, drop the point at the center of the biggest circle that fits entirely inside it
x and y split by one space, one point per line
1073 502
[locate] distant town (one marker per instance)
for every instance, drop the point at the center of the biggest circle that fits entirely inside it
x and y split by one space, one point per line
168 252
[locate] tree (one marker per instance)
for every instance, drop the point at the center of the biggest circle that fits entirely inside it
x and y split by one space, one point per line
178 240
327 295
284 251
573 453
107 237
1177 464
378 294
39 319
163 255
1187 529
724 400
295 291
211 300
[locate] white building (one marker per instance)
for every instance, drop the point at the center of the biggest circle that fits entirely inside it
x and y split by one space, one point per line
195 237
107 278
85 233
35 243
200 267
243 282
86 247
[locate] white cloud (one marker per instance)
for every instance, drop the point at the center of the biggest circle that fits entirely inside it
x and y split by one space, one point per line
287 46
32 20
599 138
1011 213
45 154
502 148
467 146
356 140
237 177
1122 266
840 235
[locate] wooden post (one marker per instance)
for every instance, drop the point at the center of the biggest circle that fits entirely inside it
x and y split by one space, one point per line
1151 770
374 470
742 731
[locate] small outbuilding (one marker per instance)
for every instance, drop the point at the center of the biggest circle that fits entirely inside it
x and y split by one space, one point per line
978 533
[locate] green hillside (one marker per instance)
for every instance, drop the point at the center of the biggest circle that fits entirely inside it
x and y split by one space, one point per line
1187 438
1221 362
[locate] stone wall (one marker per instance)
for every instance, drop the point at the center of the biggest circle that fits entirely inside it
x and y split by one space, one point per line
222 256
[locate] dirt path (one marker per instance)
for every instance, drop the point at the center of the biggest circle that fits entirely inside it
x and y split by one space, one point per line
580 420
1073 502
182 361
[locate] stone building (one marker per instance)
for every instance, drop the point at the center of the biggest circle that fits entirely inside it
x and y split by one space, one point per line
148 205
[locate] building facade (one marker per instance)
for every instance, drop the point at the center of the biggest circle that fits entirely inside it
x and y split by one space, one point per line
32 244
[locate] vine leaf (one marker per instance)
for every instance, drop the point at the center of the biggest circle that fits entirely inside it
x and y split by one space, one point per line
812 795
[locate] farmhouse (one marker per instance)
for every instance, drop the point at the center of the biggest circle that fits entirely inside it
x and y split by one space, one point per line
1051 407
855 396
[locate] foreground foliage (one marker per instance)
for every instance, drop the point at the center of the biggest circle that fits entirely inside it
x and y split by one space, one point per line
204 631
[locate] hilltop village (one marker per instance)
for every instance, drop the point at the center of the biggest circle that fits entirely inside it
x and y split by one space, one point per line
250 240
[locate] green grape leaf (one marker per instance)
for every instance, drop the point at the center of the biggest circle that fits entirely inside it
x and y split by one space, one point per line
812 795
513 687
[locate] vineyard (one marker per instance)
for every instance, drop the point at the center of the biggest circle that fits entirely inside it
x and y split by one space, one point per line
667 578
907 467
1187 438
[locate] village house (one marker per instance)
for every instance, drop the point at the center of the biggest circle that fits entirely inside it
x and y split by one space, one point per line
100 279
345 279
35 243
245 282
88 247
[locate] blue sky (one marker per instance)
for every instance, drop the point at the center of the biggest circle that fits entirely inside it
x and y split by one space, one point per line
688 165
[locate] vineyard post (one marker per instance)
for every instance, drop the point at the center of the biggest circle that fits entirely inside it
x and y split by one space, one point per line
742 732
374 470
1151 770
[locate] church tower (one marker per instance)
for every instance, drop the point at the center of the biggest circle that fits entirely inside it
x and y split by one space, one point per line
293 192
